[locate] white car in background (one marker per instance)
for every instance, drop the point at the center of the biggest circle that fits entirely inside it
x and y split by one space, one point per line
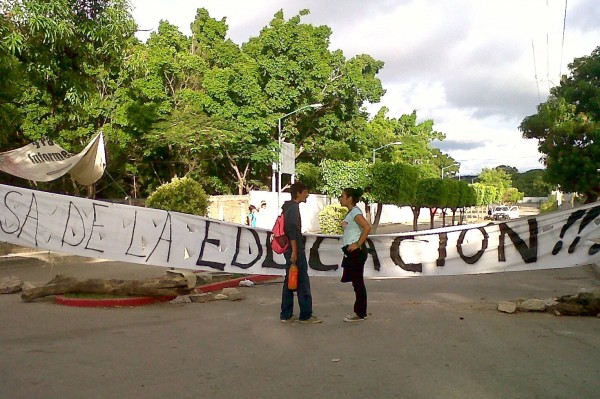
504 212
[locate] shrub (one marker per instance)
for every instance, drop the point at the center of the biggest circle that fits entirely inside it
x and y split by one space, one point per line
550 205
180 195
330 219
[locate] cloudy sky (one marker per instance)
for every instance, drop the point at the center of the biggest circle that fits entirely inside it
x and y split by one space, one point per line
477 68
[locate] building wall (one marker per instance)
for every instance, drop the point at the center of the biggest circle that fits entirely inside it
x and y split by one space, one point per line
229 208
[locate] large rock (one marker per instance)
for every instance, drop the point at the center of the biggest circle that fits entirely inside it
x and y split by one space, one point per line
507 307
202 298
533 305
10 284
233 294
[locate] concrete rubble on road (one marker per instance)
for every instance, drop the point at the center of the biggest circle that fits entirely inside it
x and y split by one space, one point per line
231 294
584 303
10 284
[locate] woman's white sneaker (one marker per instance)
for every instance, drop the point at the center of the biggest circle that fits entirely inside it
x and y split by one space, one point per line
351 318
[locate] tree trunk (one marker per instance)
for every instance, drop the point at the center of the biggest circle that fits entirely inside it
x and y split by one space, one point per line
162 286
368 214
378 213
416 210
432 212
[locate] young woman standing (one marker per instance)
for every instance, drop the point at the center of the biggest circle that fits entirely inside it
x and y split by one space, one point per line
356 230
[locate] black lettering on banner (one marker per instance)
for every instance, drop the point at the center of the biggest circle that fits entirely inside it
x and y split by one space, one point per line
18 222
160 238
87 244
234 262
314 259
269 259
212 241
589 216
132 236
73 230
484 243
570 221
397 259
443 240
528 254
592 214
373 251
36 218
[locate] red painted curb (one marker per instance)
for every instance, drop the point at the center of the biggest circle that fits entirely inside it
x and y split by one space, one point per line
148 300
234 283
110 302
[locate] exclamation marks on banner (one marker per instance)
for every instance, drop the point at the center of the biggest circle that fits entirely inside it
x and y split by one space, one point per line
572 219
589 217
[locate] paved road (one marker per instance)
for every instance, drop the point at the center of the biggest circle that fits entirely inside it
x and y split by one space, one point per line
426 337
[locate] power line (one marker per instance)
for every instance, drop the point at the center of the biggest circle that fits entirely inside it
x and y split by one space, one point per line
537 83
562 47
547 46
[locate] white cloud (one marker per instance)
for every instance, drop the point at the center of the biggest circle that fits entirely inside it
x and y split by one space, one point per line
466 64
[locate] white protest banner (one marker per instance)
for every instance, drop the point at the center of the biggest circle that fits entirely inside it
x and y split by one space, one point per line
44 160
99 229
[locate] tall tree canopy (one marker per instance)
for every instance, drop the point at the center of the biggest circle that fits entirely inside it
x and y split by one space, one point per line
198 105
59 50
568 130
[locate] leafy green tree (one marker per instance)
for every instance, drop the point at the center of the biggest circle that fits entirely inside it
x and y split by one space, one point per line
296 68
310 175
512 196
61 48
415 137
210 43
497 178
433 193
11 85
567 128
61 58
338 175
485 194
467 197
452 199
531 183
395 184
510 170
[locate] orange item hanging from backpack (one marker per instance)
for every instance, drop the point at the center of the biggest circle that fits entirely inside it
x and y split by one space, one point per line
293 277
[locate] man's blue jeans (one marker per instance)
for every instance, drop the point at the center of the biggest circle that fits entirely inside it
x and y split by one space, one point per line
303 291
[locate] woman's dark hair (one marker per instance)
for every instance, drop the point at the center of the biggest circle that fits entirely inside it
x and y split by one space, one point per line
354 193
251 208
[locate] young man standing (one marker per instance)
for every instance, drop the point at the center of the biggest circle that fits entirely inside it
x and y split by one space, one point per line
296 254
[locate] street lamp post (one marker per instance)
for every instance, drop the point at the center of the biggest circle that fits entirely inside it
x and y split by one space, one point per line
449 166
279 140
383 146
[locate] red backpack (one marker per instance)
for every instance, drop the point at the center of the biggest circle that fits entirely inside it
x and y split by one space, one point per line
279 241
